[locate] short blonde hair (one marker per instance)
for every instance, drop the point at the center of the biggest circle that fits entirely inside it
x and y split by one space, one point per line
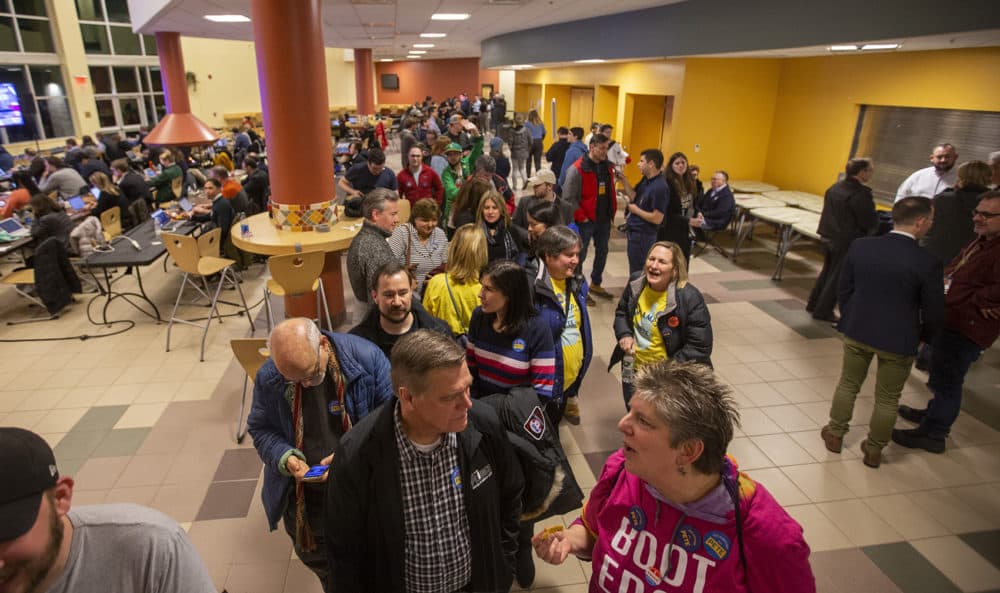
680 263
467 255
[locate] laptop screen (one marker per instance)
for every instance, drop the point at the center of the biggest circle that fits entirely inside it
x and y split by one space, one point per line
10 225
352 120
186 204
76 202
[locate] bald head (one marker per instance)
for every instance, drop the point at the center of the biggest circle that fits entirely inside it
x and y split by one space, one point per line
295 348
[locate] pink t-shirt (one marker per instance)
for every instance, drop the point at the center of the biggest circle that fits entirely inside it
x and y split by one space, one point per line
633 531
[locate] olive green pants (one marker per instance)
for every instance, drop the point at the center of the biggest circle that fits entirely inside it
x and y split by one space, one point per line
893 369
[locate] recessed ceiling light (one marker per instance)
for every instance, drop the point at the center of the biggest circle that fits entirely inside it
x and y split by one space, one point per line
870 46
521 67
843 48
423 45
227 18
433 35
417 51
449 16
385 60
413 57
589 61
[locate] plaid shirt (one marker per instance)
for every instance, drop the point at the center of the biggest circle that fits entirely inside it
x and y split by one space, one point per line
437 558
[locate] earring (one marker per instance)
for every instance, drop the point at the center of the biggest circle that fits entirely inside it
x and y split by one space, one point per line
682 470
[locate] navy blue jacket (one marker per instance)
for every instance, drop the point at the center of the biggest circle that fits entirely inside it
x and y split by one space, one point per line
891 294
717 208
270 422
554 317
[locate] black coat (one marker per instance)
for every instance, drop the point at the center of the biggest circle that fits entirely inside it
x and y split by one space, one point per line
891 294
55 280
952 229
848 213
369 326
258 188
134 187
364 526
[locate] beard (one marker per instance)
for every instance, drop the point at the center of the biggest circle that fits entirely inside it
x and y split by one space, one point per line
395 315
38 570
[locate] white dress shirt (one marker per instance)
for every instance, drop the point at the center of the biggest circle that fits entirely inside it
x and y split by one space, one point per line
927 182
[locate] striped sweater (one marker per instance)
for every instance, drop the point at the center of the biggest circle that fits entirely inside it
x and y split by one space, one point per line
499 363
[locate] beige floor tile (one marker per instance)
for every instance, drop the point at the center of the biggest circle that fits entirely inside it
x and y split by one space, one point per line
737 374
820 532
960 563
142 374
968 431
982 460
10 400
861 479
141 415
771 371
952 511
796 391
748 455
119 395
748 354
983 498
782 449
60 420
42 399
144 470
31 381
819 484
762 394
260 577
100 473
812 443
88 497
584 475
859 522
27 419
203 390
157 392
790 418
818 411
780 487
754 421
52 438
567 440
80 397
807 368
905 516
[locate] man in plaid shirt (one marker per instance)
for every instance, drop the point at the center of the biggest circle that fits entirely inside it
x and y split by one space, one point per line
424 495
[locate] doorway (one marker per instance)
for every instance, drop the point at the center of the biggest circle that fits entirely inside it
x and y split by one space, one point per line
645 120
581 107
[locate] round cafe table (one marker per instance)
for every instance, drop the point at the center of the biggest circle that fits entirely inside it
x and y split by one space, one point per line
265 239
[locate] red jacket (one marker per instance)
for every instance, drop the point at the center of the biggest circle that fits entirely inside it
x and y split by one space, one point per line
975 287
429 186
588 192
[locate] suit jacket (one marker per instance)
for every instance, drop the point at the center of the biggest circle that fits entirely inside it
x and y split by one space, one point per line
891 294
848 213
717 208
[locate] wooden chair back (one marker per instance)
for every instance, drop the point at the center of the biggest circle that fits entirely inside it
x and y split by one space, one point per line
184 249
111 221
404 210
297 272
251 353
208 243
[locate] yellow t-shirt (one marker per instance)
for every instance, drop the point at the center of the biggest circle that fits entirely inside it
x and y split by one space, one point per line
572 338
439 304
649 344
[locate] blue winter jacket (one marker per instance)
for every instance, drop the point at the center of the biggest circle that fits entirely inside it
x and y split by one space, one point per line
554 317
270 422
573 154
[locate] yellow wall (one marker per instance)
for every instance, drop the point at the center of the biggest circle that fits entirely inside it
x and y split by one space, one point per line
818 101
561 94
606 104
727 108
527 97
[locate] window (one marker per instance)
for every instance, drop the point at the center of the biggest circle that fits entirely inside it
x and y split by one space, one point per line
124 98
106 29
42 95
24 27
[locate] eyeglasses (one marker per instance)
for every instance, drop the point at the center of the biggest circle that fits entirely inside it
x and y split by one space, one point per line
986 215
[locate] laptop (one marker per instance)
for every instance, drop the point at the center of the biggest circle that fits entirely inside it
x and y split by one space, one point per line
76 203
14 228
352 120
185 204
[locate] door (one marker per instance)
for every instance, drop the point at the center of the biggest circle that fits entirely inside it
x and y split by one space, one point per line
581 107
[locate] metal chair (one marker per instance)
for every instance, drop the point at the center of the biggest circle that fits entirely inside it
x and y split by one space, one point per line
296 274
17 278
187 252
251 353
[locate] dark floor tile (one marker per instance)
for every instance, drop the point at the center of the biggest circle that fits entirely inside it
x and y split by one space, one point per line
767 283
79 444
238 464
100 418
123 441
987 543
793 304
596 460
850 571
909 569
798 320
719 262
709 299
69 467
227 500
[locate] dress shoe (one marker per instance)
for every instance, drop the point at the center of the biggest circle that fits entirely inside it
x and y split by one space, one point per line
833 443
915 438
599 291
912 414
591 302
525 565
572 413
873 454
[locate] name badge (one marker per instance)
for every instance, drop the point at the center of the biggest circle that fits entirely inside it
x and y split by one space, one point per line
601 189
481 475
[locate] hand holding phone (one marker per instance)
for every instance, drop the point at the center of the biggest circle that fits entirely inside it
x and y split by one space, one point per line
316 473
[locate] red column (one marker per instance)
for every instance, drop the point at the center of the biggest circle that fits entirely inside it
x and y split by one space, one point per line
179 127
364 84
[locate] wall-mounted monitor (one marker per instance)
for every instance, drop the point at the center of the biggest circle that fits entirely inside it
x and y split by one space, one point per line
10 106
390 82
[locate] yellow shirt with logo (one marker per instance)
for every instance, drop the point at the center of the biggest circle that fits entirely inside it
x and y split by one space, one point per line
649 344
572 338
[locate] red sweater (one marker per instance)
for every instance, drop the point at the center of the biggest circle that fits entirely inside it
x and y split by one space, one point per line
975 288
429 187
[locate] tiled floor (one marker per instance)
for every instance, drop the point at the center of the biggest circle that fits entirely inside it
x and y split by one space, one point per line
134 423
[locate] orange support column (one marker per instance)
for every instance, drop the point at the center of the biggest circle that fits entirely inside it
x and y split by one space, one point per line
179 127
364 84
291 68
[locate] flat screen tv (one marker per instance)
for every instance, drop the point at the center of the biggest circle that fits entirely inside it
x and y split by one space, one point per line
390 82
10 106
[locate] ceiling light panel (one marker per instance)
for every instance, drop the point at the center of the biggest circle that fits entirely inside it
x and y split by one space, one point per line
449 16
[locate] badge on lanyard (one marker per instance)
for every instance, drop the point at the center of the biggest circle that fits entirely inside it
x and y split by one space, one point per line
335 407
456 478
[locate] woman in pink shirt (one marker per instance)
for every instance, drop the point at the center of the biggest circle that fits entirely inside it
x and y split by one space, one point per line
671 512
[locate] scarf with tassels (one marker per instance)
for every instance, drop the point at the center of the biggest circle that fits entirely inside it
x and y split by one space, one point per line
303 533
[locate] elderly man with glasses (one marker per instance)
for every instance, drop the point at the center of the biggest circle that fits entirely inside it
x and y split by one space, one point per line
315 386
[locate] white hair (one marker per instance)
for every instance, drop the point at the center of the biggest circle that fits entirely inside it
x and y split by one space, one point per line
994 158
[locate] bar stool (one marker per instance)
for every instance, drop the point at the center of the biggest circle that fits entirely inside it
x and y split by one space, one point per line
296 274
251 353
187 252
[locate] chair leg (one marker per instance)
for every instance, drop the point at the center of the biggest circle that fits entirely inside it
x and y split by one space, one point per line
213 311
267 310
326 306
173 314
243 300
241 427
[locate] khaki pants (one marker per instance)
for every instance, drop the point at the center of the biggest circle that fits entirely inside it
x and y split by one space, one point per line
893 369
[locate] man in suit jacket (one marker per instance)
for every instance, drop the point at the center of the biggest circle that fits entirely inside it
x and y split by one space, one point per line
891 299
848 213
715 208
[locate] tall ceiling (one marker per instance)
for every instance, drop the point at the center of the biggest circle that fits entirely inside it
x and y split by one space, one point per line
391 27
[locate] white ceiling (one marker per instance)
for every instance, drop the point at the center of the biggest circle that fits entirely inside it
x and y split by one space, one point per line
391 27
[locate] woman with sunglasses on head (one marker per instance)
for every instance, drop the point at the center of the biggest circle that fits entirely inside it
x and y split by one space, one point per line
680 205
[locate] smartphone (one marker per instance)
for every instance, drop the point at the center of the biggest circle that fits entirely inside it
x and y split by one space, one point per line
315 473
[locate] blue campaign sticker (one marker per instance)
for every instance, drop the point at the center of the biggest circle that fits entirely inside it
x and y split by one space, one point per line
456 478
717 545
335 408
637 518
653 576
688 538
519 345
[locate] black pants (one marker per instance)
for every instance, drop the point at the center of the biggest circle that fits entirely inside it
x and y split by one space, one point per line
823 297
318 559
535 155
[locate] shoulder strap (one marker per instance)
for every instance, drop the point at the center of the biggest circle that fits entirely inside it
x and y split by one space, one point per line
454 304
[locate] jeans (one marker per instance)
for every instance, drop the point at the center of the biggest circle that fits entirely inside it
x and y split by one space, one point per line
953 355
600 232
639 244
893 369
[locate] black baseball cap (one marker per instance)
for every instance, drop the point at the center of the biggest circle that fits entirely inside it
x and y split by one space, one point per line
27 470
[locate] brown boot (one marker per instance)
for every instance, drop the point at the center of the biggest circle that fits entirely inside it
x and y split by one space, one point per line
833 443
873 454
